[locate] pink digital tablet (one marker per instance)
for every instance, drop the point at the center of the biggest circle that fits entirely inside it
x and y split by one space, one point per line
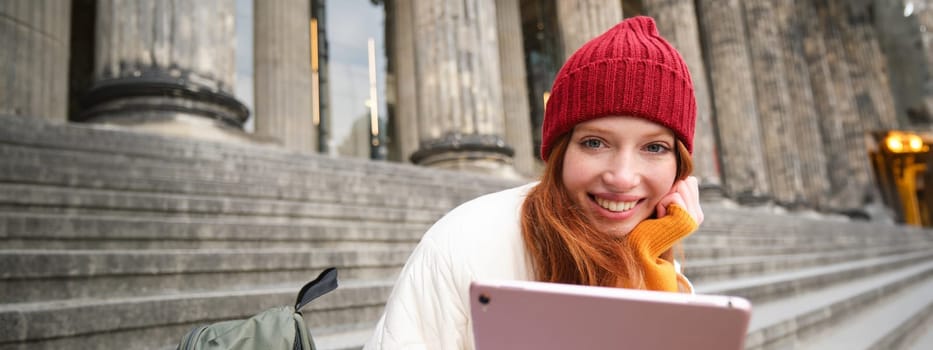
543 316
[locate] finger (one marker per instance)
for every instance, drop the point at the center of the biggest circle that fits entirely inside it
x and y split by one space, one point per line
693 199
665 201
675 198
683 189
693 186
687 198
661 209
662 205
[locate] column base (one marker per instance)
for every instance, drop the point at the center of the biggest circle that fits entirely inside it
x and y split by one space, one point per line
477 163
182 125
169 102
711 192
486 154
751 198
159 92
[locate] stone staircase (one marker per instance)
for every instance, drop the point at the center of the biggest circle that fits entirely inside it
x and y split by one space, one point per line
118 240
818 283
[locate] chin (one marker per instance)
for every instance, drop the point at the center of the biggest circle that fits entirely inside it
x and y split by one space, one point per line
616 231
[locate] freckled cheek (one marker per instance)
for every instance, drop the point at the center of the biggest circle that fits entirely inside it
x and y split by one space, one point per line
579 170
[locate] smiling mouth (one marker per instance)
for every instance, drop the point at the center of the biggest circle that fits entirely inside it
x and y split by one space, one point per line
614 206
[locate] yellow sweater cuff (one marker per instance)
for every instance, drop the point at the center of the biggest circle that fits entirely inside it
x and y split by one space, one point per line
653 237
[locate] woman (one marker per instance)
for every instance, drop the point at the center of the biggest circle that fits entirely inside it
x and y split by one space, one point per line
614 199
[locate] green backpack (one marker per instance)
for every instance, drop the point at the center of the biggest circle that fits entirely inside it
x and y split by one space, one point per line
276 328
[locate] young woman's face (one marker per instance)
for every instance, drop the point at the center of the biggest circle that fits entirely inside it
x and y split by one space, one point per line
617 169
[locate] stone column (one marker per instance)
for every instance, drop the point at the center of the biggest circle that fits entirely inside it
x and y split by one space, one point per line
744 172
461 125
515 85
925 20
866 64
282 73
804 121
909 66
843 135
402 60
166 66
34 36
857 44
582 20
772 94
677 22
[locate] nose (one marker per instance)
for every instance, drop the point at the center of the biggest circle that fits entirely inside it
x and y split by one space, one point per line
622 173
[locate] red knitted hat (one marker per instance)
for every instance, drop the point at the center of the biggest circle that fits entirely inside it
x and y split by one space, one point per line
629 70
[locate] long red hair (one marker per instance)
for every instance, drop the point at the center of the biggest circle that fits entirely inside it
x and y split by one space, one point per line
565 247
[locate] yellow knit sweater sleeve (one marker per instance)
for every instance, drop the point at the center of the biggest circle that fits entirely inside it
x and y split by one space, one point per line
651 238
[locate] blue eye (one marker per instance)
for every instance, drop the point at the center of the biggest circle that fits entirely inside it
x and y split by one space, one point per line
591 143
656 148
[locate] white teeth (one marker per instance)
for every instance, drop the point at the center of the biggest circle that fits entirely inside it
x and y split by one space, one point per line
615 206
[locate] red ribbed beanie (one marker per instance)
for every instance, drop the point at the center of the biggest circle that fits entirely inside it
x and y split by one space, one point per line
629 70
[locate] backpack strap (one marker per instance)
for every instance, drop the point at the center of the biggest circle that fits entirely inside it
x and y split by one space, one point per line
323 284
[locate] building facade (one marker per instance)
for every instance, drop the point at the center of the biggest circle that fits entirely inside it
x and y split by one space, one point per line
786 90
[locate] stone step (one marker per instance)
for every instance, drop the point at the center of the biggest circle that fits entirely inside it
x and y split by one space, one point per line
74 199
30 275
51 228
332 190
231 166
734 268
40 275
923 337
120 142
348 337
801 230
773 237
160 321
95 215
716 231
882 325
696 252
779 323
768 287
311 184
745 220
62 230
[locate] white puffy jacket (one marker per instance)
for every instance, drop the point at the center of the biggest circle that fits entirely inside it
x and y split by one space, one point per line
429 306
